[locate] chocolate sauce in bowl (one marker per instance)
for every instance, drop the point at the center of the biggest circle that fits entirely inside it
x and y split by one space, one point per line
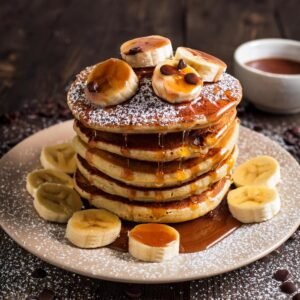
276 65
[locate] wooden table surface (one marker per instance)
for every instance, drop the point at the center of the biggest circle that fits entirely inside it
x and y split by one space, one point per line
45 43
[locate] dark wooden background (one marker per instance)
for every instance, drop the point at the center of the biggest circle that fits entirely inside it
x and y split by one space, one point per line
43 44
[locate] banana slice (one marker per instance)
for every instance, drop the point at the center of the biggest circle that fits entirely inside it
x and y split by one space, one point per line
93 228
55 202
251 204
176 82
111 82
60 157
37 177
209 67
153 242
260 170
147 51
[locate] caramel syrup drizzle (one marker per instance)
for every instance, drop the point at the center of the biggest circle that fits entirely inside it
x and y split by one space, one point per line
184 143
92 142
160 165
127 172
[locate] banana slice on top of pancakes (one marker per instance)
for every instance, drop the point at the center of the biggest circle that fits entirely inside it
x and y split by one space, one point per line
147 51
175 81
111 82
208 66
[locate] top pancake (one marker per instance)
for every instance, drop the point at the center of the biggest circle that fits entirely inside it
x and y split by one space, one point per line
147 113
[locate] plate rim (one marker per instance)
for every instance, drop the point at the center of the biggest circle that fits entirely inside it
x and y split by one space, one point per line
69 268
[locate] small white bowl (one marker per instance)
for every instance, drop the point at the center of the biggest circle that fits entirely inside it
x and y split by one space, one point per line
276 93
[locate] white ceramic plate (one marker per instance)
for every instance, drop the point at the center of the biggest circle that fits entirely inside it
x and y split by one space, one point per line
46 240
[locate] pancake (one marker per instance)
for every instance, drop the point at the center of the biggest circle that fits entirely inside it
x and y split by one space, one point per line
157 147
150 174
162 156
167 212
147 113
195 187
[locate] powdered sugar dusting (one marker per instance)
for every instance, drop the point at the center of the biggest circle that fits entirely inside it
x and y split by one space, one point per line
226 89
18 218
145 108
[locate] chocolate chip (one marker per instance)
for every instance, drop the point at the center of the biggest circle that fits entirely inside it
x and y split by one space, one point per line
295 131
14 116
266 259
134 51
191 78
168 70
196 138
46 294
32 298
288 287
289 138
296 297
257 128
198 141
281 275
64 113
292 135
181 64
93 87
133 291
86 204
39 273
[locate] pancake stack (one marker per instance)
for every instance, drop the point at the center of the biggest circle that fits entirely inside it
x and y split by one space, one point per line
150 157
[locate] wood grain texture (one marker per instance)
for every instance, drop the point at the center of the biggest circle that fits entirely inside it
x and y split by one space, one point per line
59 38
287 16
218 27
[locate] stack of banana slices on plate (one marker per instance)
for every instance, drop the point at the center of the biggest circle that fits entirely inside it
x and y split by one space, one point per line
55 200
156 142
